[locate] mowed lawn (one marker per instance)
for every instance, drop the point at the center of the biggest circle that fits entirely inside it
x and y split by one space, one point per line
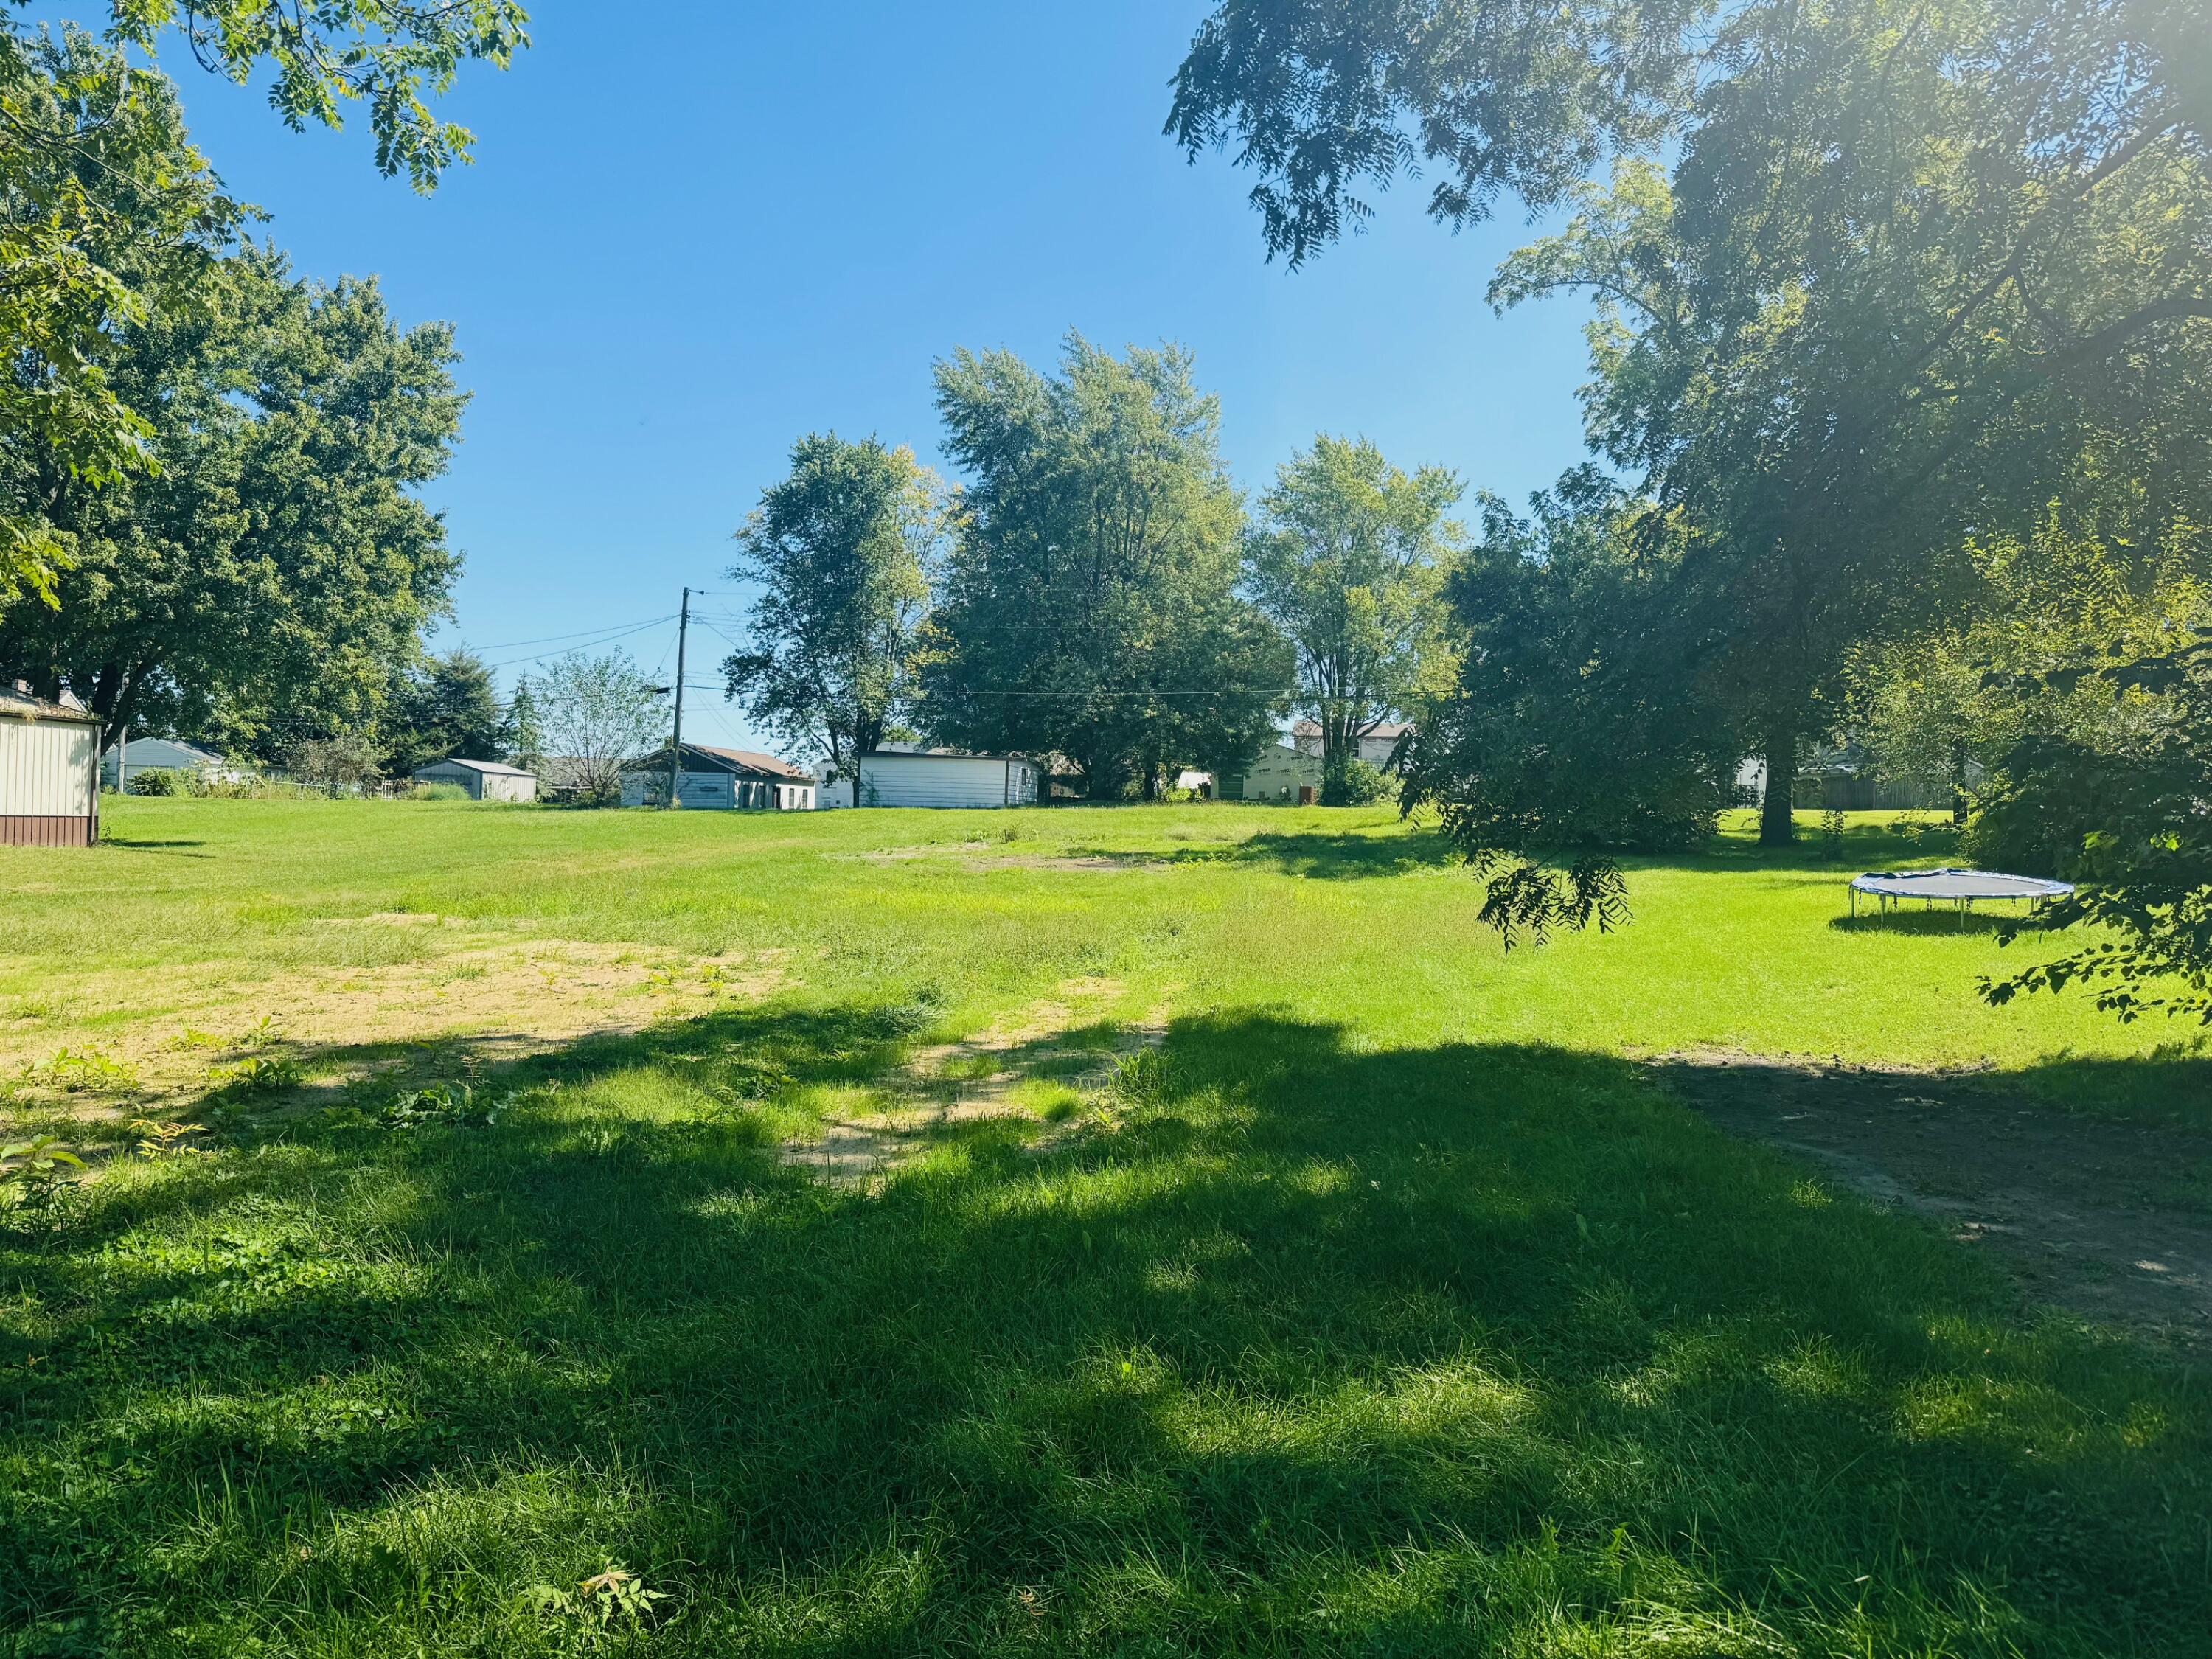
1330 1281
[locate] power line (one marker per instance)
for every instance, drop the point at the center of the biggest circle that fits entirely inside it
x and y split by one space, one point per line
548 639
609 638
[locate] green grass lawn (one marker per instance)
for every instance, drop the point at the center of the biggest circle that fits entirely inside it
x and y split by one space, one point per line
1392 1303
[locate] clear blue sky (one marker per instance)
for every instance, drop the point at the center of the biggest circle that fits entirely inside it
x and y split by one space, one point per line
682 245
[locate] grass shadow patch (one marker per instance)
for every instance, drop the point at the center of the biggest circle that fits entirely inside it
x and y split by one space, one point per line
1466 1347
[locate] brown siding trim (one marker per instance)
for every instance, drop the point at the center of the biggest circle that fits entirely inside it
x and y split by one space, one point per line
18 829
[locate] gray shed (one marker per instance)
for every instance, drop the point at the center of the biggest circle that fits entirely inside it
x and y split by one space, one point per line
484 780
49 772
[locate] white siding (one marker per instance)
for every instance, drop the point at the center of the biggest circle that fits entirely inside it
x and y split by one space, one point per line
46 769
944 781
1276 773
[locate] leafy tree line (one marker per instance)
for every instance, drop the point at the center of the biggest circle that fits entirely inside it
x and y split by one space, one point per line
1902 359
1093 590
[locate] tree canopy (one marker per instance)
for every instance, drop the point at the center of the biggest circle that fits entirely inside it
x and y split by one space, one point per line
1089 605
595 714
108 212
842 547
1906 274
262 583
1349 559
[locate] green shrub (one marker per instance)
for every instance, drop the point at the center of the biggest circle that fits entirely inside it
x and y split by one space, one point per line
157 780
1352 782
436 792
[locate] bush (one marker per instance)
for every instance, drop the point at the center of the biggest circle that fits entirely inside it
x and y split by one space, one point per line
156 781
1356 782
436 792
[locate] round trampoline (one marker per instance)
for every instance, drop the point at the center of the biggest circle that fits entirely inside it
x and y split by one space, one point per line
1962 889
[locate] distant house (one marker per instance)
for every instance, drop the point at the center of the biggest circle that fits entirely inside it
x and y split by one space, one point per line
1847 777
720 780
939 777
484 780
49 772
1374 748
1279 772
125 760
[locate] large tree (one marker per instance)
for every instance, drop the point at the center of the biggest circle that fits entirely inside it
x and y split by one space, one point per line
104 207
106 212
262 584
842 548
1914 268
1349 558
1567 724
1090 606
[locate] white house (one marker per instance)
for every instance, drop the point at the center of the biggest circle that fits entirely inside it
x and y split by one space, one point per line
720 780
1374 748
1279 772
49 772
938 777
484 780
125 760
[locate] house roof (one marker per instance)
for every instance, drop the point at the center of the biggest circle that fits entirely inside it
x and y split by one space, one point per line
495 768
138 746
1391 729
20 705
736 760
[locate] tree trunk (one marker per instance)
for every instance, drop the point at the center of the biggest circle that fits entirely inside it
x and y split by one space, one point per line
1776 827
1958 786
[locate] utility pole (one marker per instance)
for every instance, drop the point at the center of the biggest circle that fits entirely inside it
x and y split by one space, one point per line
675 744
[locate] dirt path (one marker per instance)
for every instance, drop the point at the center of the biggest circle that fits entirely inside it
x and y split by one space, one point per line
947 1085
2112 1221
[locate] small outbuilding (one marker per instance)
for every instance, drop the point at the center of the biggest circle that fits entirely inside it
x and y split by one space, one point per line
49 772
484 780
939 777
1280 773
720 780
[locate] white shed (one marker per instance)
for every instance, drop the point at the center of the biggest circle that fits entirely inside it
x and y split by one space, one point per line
939 777
484 780
49 772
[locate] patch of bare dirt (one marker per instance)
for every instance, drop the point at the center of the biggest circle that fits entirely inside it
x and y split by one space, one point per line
947 1085
2107 1219
504 996
976 856
1116 863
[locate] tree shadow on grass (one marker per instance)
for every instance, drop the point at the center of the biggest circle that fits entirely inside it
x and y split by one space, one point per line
1299 1347
1936 922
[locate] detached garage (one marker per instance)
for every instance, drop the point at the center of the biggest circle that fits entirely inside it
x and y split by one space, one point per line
484 780
941 778
49 772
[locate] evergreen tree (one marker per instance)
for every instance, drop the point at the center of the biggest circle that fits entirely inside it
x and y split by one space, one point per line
525 728
448 707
